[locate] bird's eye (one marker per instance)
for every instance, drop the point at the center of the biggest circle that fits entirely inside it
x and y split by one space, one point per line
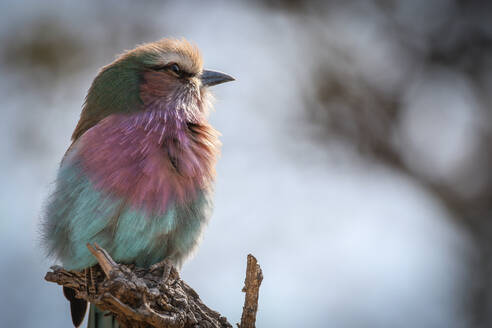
175 68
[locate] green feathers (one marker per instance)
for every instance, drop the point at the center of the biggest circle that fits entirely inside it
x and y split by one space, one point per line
114 90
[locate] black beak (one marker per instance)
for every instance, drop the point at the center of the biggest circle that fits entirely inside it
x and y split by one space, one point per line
210 78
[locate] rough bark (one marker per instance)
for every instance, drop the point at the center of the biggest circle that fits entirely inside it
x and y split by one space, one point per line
154 297
252 282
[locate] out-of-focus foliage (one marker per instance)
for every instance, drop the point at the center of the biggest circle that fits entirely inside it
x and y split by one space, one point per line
418 100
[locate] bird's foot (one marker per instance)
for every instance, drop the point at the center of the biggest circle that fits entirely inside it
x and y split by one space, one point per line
165 266
90 280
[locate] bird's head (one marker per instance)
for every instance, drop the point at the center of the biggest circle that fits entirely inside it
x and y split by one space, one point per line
166 75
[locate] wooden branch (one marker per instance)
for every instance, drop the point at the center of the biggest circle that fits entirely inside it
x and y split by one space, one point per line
153 297
252 282
103 258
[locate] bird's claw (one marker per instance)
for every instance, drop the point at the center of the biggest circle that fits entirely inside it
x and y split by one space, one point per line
166 266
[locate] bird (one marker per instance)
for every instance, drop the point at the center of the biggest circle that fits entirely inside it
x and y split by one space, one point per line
139 174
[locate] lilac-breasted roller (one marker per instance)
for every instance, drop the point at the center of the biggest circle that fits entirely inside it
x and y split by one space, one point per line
138 176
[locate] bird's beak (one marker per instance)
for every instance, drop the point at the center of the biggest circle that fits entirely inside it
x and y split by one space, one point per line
210 78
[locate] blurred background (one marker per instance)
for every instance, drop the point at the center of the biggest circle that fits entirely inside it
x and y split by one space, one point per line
356 163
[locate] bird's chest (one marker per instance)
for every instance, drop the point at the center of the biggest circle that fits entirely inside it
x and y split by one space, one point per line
147 165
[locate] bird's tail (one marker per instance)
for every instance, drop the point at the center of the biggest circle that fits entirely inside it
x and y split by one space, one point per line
77 306
100 319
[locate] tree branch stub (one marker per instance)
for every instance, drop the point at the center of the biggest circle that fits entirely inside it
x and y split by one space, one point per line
252 282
